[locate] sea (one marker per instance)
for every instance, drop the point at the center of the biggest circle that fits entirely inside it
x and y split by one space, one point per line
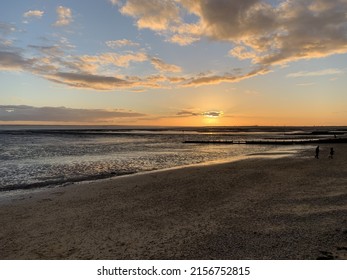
33 157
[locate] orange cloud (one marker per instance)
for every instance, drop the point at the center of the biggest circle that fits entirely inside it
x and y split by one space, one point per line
152 14
164 67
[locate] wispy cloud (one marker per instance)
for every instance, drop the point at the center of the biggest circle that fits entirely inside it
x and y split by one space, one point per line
88 81
62 114
228 78
121 43
164 67
325 72
48 50
64 16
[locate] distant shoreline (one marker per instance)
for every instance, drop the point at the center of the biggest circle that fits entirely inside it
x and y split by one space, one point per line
273 142
148 127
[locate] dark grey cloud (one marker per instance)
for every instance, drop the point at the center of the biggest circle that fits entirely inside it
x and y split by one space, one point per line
61 114
89 81
212 114
228 20
12 61
194 113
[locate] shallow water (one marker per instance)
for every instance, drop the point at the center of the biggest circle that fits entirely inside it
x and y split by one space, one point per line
38 157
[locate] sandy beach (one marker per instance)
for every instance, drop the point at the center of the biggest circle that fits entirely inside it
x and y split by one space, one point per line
259 208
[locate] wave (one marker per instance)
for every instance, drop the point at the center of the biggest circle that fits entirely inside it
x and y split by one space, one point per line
65 181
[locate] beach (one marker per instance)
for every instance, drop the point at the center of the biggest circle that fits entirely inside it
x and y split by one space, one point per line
291 207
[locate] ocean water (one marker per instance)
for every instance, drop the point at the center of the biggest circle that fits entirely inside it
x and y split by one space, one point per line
34 157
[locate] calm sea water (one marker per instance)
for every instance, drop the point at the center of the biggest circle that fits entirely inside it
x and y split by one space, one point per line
33 157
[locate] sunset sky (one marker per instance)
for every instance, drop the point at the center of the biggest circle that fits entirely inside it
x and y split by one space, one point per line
173 62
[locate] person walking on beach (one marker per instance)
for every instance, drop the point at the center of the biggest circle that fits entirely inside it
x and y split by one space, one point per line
331 153
317 152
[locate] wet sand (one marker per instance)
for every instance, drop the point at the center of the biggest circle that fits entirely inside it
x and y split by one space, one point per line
259 208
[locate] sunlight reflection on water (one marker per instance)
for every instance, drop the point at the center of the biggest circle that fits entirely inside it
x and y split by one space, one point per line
30 159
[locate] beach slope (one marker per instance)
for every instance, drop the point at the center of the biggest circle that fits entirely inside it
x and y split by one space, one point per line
259 208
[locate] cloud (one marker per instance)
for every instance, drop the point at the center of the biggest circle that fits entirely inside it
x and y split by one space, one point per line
164 67
102 82
325 72
212 114
33 13
194 113
296 30
188 113
102 62
64 16
114 2
267 32
97 72
12 61
270 34
91 64
88 81
49 50
242 53
183 39
234 20
229 78
61 114
185 34
87 72
122 60
151 14
121 43
115 58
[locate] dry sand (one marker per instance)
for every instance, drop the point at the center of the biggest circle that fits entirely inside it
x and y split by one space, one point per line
286 208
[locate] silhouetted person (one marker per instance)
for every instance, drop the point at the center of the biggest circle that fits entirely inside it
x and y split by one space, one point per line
331 153
317 152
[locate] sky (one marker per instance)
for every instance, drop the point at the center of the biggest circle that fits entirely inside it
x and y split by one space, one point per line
174 62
